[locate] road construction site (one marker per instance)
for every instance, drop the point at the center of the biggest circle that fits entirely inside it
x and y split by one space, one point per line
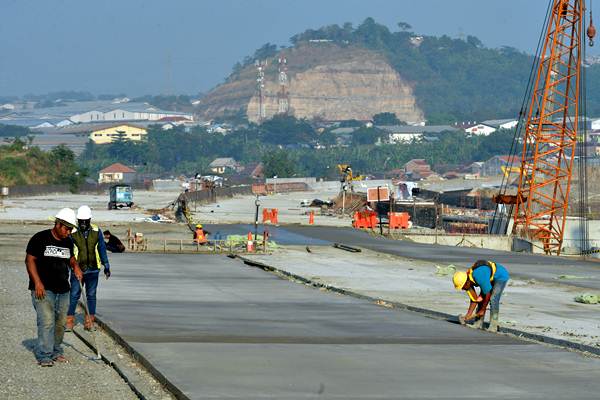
303 319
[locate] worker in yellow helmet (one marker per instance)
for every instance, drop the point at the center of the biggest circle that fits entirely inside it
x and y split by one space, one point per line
200 235
491 279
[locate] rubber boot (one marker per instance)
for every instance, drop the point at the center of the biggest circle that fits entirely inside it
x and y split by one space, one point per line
88 322
478 324
493 323
70 323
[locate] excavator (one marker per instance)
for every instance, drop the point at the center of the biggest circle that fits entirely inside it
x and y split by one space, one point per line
548 131
346 174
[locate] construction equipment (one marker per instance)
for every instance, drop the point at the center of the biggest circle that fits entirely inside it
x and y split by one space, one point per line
347 174
120 196
549 128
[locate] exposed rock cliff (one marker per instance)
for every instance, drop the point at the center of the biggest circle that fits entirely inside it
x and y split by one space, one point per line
324 81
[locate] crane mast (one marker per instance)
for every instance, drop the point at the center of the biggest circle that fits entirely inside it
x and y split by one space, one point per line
551 129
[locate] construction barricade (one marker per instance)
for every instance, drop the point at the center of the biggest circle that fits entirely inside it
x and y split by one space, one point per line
399 220
365 219
270 215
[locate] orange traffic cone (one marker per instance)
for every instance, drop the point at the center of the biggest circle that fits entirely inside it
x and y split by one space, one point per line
311 218
250 244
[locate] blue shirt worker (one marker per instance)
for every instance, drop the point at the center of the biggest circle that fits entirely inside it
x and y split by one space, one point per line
49 259
491 279
90 252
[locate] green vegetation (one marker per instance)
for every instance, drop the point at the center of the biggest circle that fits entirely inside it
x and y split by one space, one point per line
14 131
21 165
387 118
178 151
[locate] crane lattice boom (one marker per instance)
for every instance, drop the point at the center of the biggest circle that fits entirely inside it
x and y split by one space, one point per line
551 129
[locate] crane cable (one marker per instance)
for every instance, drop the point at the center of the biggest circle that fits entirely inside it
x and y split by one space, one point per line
500 221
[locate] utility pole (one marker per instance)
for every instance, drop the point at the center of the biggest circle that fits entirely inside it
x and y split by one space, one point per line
257 204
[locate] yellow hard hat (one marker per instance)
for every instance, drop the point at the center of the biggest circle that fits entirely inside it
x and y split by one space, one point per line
459 279
199 226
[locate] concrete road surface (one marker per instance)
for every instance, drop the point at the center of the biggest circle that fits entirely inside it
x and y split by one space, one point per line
527 266
219 329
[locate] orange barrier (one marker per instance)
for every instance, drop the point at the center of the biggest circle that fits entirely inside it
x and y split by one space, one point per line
250 243
365 219
270 215
398 220
311 218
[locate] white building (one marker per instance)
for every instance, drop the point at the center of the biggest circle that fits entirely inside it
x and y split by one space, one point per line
501 123
408 133
480 129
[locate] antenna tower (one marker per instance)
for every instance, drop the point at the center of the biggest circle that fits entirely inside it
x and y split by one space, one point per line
260 86
283 99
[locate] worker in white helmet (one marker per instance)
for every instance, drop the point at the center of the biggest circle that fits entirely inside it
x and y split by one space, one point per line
50 256
491 278
90 252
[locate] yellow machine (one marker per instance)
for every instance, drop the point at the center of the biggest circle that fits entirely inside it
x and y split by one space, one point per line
510 170
347 175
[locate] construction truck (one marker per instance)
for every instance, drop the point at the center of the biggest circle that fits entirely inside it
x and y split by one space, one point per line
120 196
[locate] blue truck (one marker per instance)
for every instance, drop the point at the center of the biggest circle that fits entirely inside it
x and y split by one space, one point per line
120 196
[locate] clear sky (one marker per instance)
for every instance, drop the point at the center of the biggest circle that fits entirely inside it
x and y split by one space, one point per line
186 46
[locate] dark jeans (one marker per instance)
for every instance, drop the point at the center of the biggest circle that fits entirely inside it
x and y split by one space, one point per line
497 289
90 280
51 314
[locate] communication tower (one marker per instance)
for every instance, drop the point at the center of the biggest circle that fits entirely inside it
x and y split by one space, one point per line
260 86
283 100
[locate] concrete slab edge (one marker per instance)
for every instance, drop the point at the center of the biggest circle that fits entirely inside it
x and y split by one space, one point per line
565 344
163 380
111 364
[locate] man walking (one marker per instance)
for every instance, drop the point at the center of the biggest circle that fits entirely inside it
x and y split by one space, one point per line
90 252
48 260
491 278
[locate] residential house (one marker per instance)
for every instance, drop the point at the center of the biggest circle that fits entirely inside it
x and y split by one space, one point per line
494 165
473 168
221 165
116 173
104 135
417 169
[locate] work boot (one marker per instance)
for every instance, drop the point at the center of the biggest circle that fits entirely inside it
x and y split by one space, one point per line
493 323
70 323
88 322
478 324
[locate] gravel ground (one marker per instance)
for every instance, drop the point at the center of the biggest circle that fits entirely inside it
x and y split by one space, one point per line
82 377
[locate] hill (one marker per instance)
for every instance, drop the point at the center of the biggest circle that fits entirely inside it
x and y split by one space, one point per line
355 72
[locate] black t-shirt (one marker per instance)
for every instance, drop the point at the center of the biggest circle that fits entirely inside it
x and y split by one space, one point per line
52 260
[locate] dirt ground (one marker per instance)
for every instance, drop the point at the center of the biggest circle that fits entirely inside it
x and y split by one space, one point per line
82 377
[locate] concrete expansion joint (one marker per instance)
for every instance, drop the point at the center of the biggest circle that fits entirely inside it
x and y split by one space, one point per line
519 334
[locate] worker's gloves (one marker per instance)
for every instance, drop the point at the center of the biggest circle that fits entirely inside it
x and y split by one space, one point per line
107 272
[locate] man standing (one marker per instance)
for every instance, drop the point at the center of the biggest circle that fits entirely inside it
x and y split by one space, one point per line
90 252
49 257
491 278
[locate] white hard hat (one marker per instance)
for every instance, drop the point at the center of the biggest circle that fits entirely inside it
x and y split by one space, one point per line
67 217
84 212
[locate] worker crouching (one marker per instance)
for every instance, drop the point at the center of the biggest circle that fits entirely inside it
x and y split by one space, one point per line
491 278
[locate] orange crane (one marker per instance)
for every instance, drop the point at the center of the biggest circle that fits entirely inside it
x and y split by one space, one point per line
551 127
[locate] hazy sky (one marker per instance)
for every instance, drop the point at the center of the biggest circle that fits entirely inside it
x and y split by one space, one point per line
186 46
